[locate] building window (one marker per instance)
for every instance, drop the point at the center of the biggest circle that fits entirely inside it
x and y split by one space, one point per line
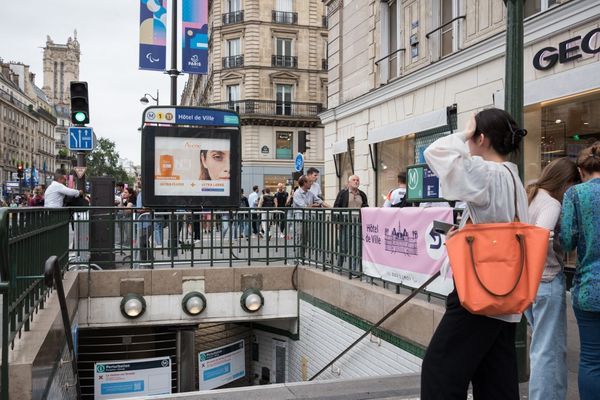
393 157
283 145
283 57
235 13
233 97
532 7
283 100
283 13
234 57
447 32
345 164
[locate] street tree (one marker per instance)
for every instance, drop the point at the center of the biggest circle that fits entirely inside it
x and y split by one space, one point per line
104 161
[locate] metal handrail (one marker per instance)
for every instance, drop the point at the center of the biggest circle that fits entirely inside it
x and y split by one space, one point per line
389 55
446 24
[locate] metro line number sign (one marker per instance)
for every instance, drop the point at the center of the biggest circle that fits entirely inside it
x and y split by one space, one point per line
568 50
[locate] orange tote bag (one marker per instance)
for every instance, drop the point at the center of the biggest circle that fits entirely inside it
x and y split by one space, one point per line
498 267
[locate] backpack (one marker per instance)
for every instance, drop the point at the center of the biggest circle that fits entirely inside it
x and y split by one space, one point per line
268 201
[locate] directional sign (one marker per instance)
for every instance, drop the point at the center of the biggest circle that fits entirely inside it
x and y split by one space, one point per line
81 138
299 162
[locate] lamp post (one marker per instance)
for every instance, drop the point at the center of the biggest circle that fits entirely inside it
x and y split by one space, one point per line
144 100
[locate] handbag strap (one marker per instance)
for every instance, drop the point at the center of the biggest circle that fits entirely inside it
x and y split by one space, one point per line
521 239
516 218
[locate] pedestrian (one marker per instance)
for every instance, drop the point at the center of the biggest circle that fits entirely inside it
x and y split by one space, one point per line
313 176
349 223
253 202
580 229
547 316
240 226
281 197
267 201
57 191
38 197
473 166
397 197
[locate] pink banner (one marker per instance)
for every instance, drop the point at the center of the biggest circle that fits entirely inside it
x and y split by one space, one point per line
399 245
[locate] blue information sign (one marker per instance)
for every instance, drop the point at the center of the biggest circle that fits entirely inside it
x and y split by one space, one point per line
191 116
81 138
299 162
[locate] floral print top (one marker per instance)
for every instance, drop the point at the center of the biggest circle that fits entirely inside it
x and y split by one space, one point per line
580 228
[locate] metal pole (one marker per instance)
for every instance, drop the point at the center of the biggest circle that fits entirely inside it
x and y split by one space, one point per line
81 162
173 72
513 103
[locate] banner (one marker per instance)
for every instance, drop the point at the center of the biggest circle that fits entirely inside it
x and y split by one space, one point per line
153 34
399 245
195 36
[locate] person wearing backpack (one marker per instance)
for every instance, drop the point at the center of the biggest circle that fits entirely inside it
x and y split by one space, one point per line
473 167
267 200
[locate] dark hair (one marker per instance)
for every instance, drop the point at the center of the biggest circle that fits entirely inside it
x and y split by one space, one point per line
312 170
132 196
302 180
554 179
589 158
267 190
254 188
402 177
502 130
119 184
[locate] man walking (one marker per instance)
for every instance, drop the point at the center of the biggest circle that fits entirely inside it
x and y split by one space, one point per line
57 191
281 197
349 228
253 202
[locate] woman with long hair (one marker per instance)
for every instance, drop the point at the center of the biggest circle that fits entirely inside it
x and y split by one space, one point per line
473 167
214 165
580 228
548 314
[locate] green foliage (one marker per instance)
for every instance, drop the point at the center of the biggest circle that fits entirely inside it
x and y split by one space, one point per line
104 161
63 153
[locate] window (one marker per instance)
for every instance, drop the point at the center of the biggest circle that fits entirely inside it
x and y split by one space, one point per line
346 164
393 39
393 157
234 57
285 5
447 32
233 97
283 145
234 5
283 13
233 47
283 56
284 47
532 7
284 100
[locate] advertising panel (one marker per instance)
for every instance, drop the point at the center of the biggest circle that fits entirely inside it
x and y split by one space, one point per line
153 34
132 378
219 366
194 54
399 245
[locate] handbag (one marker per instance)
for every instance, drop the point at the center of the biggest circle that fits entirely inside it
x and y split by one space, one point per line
498 267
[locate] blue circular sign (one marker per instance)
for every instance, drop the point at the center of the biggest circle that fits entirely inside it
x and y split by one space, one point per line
299 162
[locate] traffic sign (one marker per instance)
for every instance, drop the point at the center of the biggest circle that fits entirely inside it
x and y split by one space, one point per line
80 171
81 138
299 162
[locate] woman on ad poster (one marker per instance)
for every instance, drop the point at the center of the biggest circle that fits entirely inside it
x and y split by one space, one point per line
214 165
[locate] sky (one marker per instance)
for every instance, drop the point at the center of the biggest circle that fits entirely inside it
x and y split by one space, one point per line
108 34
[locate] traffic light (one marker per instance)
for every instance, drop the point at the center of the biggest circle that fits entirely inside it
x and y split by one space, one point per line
20 171
302 140
80 108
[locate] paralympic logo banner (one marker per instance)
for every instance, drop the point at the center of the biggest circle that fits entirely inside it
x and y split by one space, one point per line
153 34
399 245
194 23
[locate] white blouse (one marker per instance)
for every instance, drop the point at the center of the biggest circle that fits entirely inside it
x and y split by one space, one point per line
485 186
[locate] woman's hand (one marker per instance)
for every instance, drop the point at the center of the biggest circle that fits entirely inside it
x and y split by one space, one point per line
451 233
470 127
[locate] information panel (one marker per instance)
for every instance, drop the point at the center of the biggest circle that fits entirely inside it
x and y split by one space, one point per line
422 184
217 367
132 378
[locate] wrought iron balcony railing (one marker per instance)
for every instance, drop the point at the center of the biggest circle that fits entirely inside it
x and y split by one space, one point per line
284 17
233 61
234 17
271 108
284 61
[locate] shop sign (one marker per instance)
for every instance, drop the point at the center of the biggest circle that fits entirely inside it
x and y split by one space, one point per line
568 50
264 149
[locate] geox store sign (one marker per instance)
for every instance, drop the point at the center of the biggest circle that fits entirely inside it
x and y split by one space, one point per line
568 50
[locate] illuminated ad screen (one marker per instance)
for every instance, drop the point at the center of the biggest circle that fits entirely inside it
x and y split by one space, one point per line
191 167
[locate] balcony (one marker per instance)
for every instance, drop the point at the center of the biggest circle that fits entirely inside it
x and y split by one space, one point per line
284 61
324 64
234 17
284 17
233 61
272 112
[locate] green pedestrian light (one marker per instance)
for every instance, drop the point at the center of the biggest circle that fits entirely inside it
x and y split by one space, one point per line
576 137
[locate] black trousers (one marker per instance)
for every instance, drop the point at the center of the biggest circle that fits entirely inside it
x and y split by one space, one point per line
470 348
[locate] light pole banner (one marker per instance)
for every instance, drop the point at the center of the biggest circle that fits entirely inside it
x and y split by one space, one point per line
399 245
153 34
195 36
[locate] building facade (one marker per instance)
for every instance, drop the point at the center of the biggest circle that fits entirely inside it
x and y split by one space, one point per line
416 69
61 66
27 124
267 61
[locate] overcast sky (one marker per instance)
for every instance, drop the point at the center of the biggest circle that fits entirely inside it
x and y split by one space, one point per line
108 33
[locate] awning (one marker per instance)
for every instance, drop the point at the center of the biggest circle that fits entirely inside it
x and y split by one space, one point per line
339 147
407 126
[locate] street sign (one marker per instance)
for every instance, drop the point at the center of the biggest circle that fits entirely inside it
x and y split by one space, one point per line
12 184
299 162
218 367
80 171
81 138
190 116
132 378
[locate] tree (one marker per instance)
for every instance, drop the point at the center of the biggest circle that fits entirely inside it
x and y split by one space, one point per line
104 161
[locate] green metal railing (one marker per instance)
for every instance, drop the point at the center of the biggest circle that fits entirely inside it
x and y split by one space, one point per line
28 236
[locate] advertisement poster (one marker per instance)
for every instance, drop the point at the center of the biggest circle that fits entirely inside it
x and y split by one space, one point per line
132 378
399 245
153 34
194 53
217 367
192 166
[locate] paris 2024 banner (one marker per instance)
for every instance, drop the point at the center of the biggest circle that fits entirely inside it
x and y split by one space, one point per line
399 245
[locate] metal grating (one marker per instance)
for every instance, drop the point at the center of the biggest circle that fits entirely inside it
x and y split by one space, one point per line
128 343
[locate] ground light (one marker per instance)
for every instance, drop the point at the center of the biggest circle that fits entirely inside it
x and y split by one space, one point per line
252 300
133 305
193 303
